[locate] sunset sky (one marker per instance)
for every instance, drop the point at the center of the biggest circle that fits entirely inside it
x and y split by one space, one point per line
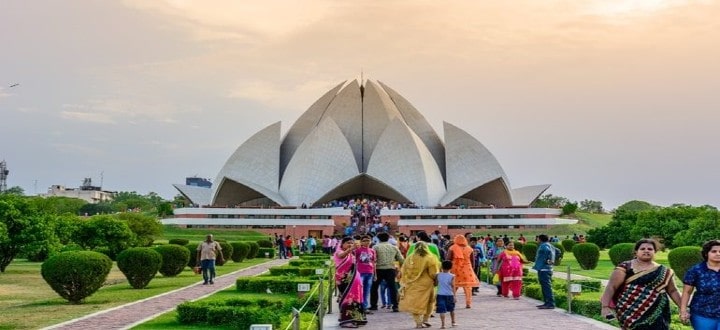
605 100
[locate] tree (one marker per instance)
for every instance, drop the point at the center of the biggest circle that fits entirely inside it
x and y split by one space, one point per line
636 206
704 227
569 208
90 209
22 225
550 201
105 231
15 190
145 227
58 204
591 206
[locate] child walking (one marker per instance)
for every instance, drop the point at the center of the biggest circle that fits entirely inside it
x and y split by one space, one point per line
445 301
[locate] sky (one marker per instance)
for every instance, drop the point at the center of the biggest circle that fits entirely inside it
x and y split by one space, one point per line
605 100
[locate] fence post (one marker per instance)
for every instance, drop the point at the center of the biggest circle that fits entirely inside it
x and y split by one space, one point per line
296 319
569 293
321 297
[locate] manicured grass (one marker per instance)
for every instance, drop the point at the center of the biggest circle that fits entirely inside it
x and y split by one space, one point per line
27 302
604 267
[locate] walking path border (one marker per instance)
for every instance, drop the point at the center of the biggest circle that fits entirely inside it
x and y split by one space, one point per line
131 314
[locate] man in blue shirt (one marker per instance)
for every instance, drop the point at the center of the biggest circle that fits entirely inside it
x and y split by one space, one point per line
544 259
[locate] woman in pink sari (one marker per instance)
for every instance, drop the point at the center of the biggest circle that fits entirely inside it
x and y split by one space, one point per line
511 272
349 284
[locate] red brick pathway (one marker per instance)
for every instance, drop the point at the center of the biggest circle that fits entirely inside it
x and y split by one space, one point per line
129 315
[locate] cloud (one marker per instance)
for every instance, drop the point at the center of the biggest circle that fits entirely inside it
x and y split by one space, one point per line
115 111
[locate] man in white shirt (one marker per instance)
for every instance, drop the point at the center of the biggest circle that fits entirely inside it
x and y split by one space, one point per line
206 254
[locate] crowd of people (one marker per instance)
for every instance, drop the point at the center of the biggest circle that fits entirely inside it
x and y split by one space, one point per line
421 275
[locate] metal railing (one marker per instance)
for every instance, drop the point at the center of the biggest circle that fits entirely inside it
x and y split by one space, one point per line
324 306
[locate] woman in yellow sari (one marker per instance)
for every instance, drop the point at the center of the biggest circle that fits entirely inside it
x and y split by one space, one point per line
417 292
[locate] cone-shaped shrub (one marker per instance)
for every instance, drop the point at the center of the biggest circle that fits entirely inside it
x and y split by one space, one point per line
139 264
227 251
587 255
75 275
684 257
530 250
254 248
621 252
174 259
240 251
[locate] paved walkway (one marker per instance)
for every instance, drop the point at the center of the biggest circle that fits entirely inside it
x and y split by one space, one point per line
488 312
129 315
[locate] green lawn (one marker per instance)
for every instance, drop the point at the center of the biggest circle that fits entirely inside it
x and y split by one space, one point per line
197 235
27 302
604 267
586 221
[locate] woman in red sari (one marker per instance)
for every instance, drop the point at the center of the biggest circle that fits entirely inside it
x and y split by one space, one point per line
461 256
349 284
511 272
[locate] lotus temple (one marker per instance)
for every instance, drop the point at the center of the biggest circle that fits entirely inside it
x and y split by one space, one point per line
362 141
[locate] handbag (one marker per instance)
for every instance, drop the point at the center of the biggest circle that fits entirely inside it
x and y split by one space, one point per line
496 279
197 270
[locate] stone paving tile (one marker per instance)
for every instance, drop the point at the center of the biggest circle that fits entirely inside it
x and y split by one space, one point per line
488 312
129 315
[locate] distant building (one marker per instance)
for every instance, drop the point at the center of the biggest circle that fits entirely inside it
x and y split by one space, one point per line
198 182
3 176
86 192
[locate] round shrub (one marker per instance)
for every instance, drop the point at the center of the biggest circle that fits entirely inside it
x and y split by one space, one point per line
270 253
227 252
192 250
179 241
519 246
240 251
568 244
174 259
530 250
139 264
265 243
559 256
254 247
621 252
587 255
75 275
684 257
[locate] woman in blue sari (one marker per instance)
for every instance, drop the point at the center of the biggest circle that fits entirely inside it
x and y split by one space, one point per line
349 284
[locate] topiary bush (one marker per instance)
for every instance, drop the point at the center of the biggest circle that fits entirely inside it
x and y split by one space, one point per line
264 243
179 241
587 255
227 252
240 251
193 256
253 252
530 250
75 275
621 252
559 256
270 253
139 265
684 257
174 259
568 244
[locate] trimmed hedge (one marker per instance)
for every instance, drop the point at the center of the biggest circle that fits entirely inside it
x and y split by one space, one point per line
292 271
684 257
316 263
587 255
174 259
227 252
236 313
276 284
621 252
568 244
240 251
179 241
75 275
139 265
254 247
264 243
270 252
530 251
